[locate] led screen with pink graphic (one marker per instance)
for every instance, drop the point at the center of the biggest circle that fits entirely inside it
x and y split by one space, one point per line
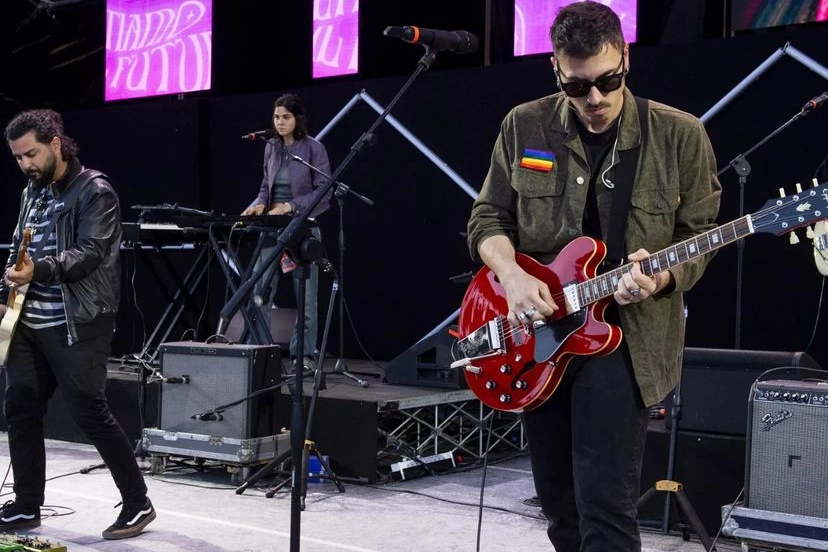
758 14
533 18
157 47
335 37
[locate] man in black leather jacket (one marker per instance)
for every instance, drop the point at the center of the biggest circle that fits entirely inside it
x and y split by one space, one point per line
69 277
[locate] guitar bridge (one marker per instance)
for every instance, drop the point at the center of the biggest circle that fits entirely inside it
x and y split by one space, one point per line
485 341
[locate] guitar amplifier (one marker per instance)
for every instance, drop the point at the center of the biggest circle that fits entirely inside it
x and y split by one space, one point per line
220 375
787 458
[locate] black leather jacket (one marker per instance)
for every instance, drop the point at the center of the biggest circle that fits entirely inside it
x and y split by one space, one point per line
87 264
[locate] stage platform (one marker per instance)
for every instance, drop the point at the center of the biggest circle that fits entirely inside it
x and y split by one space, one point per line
369 433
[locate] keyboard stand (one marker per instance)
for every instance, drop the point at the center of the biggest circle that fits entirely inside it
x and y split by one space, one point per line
177 301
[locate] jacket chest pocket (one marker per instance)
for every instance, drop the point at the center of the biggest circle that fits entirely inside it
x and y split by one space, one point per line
653 215
541 208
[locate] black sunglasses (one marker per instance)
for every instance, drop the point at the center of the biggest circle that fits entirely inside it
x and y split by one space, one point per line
605 84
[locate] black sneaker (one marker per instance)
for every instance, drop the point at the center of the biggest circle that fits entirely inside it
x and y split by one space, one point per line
14 517
130 522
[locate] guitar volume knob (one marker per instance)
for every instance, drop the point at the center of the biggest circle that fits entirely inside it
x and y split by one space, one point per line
505 369
491 385
505 398
521 384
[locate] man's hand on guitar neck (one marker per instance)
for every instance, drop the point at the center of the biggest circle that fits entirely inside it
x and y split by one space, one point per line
23 276
635 286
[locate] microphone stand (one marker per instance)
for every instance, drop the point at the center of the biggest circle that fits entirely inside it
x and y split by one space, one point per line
742 167
243 293
341 190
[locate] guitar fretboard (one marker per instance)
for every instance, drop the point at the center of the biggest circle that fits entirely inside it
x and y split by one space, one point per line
605 285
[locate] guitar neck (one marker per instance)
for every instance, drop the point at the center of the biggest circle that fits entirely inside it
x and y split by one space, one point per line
605 285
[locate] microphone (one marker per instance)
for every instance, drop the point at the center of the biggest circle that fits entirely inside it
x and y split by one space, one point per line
258 135
815 103
182 379
459 42
208 417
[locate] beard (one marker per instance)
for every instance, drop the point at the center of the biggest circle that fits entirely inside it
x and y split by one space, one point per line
40 178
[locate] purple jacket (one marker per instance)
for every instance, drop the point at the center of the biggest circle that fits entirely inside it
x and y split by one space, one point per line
303 181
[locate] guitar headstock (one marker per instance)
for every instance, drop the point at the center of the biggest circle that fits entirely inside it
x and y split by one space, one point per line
28 232
786 214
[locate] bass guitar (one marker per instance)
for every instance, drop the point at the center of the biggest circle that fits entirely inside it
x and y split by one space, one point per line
15 302
516 368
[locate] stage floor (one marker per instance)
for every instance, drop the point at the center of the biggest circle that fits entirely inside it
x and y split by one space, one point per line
200 511
199 508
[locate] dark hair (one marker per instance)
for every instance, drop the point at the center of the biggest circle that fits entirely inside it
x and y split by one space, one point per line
295 105
46 124
582 29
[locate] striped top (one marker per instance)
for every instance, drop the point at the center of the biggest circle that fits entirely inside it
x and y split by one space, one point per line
44 303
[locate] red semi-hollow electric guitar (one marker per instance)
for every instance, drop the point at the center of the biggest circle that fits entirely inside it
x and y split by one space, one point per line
516 368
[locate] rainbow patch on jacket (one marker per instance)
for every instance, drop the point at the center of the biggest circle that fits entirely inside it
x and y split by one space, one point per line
538 160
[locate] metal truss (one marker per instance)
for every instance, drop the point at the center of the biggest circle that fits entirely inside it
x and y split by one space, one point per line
463 425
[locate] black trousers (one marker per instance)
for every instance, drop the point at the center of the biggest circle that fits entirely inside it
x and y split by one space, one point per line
39 361
586 444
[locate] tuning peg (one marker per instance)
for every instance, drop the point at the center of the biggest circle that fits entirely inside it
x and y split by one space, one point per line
781 192
809 233
794 238
815 182
798 188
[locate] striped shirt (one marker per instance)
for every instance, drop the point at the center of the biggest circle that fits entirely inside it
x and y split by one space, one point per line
44 303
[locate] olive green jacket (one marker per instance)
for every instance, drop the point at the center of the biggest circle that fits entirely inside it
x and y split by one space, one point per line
675 196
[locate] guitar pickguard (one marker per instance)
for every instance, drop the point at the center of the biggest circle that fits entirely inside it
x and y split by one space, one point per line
549 336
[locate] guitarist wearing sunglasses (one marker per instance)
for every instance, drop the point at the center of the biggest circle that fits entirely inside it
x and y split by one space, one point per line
71 269
612 176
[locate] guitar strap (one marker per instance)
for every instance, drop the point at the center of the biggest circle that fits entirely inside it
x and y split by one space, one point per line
625 177
65 204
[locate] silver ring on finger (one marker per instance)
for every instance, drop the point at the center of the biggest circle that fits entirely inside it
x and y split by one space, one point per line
530 312
521 316
635 292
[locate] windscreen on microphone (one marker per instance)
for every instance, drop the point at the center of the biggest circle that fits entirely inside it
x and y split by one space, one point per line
259 134
815 103
459 42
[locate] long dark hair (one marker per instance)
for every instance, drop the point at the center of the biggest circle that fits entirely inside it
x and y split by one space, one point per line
46 124
296 106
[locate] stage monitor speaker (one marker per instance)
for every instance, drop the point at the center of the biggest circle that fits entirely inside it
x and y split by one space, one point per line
787 458
215 375
715 384
427 363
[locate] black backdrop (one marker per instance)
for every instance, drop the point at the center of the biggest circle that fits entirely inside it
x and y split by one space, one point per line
401 253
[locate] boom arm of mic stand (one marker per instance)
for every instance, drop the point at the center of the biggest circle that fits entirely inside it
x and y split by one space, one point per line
244 291
341 187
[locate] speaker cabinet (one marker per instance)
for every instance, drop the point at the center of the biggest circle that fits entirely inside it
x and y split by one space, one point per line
219 375
427 363
715 383
787 458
